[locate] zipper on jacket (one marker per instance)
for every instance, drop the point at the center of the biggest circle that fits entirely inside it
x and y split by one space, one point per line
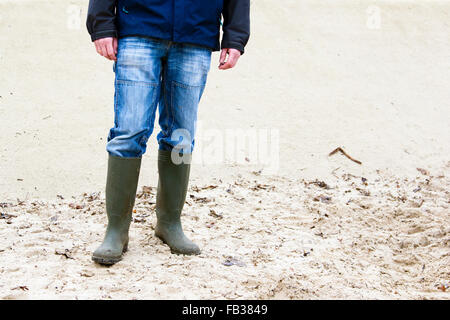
173 19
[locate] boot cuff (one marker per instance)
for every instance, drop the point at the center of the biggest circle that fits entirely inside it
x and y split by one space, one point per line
166 156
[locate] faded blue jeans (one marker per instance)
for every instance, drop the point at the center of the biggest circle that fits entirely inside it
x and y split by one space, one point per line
151 73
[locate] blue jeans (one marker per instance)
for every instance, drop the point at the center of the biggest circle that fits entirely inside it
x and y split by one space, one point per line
151 73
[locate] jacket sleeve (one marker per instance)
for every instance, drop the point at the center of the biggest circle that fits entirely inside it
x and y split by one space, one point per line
236 24
101 19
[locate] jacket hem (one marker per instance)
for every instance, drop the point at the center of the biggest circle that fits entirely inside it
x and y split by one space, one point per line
233 45
104 34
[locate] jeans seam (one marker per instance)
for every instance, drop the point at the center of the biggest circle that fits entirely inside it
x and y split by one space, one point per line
151 119
171 107
136 83
116 103
186 86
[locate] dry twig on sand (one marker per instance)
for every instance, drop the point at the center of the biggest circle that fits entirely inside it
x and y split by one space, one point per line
339 149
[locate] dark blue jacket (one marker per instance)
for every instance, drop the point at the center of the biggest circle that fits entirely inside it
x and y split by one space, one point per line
184 21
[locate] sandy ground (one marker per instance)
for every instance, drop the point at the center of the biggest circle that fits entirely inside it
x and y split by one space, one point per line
319 74
271 238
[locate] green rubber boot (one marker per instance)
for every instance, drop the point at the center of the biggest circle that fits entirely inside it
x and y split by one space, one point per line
171 195
121 185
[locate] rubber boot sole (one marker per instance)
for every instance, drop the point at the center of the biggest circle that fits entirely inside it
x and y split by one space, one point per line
109 261
173 251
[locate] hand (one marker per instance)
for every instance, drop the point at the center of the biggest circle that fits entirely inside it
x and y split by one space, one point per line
233 57
107 47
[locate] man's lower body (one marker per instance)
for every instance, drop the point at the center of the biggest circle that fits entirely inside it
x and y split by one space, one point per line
152 73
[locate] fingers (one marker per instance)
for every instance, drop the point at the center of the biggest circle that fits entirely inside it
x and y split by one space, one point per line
223 57
110 51
98 48
107 47
115 46
233 57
